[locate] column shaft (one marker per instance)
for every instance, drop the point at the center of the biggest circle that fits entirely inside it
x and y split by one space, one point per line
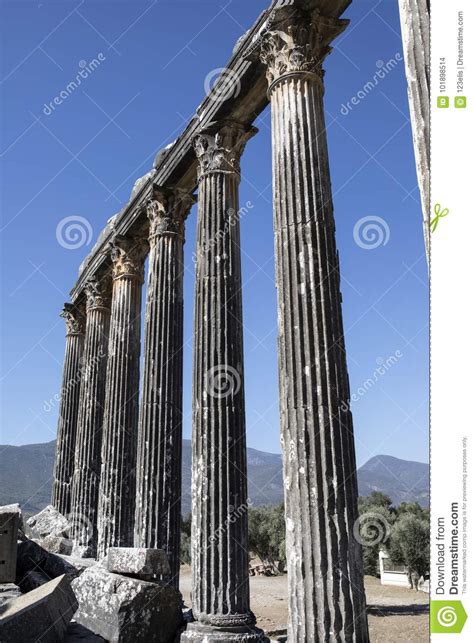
85 487
119 443
220 589
326 591
158 501
68 410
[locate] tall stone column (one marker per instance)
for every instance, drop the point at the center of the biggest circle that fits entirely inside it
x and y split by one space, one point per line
68 410
158 500
326 590
220 587
85 487
119 442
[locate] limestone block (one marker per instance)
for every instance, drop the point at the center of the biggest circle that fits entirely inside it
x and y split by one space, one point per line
35 566
48 522
138 561
41 615
56 544
123 609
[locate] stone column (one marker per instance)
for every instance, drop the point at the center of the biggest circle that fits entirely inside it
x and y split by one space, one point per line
67 424
415 28
119 442
220 587
158 500
85 486
325 575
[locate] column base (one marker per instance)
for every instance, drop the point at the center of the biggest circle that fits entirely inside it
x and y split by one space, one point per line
219 634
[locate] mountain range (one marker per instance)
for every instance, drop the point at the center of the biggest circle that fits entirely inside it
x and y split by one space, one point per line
26 476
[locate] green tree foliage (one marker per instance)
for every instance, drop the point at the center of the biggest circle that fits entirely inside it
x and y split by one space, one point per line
267 535
376 517
410 545
413 508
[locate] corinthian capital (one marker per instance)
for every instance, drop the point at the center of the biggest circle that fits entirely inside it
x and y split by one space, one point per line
167 211
74 318
128 256
97 294
219 147
295 41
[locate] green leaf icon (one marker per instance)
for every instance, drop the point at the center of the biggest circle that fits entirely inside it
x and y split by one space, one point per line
447 617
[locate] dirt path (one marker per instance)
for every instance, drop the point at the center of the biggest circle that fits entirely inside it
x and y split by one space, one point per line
395 614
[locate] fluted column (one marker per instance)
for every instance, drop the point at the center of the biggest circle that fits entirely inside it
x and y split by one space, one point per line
119 442
326 591
158 500
85 487
68 410
220 587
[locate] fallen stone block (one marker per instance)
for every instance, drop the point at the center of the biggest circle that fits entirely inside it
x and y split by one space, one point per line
10 519
123 609
77 633
41 615
56 544
137 561
36 566
48 521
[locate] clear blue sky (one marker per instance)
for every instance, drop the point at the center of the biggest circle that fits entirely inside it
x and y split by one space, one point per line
82 159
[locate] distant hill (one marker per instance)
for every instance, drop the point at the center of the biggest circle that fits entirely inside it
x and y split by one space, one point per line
402 480
26 477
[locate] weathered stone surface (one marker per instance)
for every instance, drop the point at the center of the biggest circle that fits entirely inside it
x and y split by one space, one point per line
86 478
41 615
36 566
8 592
158 502
125 609
415 28
49 521
67 423
10 519
137 561
220 589
139 183
56 544
119 440
325 576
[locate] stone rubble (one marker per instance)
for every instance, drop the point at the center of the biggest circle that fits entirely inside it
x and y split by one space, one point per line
123 609
144 563
40 615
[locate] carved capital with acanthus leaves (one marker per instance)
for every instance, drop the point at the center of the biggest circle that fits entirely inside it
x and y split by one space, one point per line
97 294
295 42
128 257
219 147
167 211
74 318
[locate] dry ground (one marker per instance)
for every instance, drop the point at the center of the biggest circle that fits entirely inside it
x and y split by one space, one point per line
396 615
